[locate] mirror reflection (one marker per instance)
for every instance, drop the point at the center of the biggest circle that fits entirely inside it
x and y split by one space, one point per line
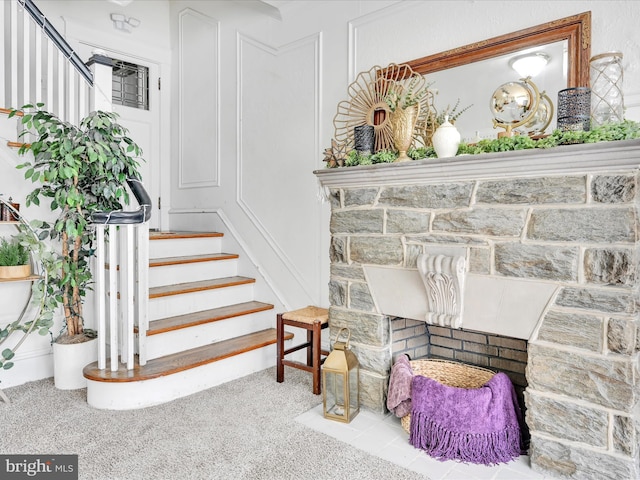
473 84
471 74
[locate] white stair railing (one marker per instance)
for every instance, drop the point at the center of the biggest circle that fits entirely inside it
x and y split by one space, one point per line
39 65
122 239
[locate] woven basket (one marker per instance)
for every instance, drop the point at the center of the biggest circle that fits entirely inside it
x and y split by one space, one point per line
452 374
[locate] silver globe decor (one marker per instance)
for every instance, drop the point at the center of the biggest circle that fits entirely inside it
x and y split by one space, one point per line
514 104
541 119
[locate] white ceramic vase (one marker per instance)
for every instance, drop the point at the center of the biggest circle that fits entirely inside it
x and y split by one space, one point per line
446 139
69 360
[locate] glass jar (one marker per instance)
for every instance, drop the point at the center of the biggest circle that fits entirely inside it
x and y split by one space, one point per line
607 99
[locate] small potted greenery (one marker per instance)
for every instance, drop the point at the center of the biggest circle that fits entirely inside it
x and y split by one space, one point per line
80 169
14 259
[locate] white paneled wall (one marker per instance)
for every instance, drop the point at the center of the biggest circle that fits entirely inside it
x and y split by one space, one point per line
199 93
272 156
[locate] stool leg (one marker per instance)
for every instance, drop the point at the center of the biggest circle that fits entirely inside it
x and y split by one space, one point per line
279 348
310 347
315 347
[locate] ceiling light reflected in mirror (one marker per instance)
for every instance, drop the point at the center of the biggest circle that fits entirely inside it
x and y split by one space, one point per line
529 65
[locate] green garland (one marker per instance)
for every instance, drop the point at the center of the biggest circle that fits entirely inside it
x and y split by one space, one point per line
626 130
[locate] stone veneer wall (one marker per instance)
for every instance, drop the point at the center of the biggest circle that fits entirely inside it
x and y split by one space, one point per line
577 229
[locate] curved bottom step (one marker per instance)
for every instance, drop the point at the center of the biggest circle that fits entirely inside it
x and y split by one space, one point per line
179 375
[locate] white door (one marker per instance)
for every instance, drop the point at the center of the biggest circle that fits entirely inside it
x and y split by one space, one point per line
144 126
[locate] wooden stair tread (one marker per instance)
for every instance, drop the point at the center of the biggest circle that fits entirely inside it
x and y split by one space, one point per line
172 235
201 285
205 316
186 360
212 257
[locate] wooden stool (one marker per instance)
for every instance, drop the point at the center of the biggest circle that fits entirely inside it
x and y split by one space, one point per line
313 320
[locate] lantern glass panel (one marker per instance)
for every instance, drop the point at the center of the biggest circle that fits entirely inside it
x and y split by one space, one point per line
335 394
354 400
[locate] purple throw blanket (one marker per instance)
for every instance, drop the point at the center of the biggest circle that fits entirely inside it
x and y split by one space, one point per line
399 393
478 425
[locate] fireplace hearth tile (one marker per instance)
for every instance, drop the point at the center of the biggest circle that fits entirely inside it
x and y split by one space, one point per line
382 436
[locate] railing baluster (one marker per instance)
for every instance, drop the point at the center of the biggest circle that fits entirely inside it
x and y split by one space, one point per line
50 56
100 292
38 79
61 81
13 101
142 295
26 57
3 59
83 98
129 306
122 293
113 297
71 95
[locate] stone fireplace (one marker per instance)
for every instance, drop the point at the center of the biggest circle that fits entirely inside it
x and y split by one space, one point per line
550 240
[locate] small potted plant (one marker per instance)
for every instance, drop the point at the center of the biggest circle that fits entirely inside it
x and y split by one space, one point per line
14 259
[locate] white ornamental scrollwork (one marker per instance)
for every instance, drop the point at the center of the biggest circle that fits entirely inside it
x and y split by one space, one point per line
443 278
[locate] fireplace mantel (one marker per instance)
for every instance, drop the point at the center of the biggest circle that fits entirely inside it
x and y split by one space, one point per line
564 160
567 217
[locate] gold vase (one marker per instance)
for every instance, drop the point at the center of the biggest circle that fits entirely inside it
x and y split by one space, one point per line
403 121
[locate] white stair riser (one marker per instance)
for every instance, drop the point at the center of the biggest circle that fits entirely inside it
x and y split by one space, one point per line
184 246
186 338
173 305
133 395
192 272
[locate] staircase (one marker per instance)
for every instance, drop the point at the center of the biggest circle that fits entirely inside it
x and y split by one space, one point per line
205 326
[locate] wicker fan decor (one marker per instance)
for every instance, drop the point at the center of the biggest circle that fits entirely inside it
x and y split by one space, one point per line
367 103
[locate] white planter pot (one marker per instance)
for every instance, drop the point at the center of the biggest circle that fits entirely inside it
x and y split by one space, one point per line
68 362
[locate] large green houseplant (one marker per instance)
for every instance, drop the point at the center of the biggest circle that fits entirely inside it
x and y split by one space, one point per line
81 170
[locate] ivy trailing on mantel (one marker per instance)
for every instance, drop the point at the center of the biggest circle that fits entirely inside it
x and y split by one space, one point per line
626 130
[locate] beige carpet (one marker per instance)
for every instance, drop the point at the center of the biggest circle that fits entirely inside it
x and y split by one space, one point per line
244 429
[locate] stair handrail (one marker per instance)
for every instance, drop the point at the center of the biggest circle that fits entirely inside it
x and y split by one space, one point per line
121 217
62 45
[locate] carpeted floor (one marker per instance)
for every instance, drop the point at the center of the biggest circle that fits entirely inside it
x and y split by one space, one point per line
244 429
